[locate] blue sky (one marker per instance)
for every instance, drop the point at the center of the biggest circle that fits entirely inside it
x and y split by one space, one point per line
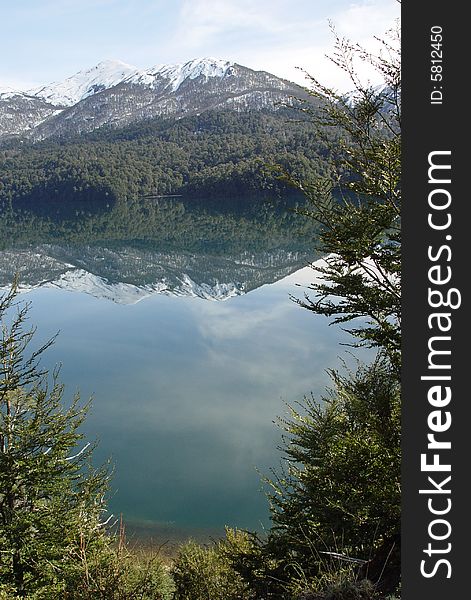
48 40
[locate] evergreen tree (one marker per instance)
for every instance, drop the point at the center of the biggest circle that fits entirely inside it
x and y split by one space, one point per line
339 494
360 222
51 499
340 490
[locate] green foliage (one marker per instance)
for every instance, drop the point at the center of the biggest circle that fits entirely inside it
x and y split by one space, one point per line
360 232
260 564
341 488
336 503
49 493
338 584
214 154
245 567
102 573
53 542
206 573
244 225
115 573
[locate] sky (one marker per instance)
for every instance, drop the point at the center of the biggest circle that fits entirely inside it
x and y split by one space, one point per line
42 41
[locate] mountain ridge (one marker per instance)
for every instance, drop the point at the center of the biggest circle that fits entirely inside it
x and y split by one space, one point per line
84 83
113 93
127 275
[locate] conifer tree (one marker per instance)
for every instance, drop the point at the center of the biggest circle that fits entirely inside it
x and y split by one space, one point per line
339 493
51 499
359 210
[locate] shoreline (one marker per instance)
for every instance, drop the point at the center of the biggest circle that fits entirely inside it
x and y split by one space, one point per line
167 538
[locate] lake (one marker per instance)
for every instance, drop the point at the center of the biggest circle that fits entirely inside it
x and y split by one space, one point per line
179 323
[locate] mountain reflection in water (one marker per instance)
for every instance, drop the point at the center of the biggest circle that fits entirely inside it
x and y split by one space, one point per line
138 248
185 390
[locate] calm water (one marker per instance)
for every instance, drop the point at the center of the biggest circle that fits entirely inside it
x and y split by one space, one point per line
190 355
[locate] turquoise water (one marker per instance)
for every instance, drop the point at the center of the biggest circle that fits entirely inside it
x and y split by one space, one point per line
185 392
190 357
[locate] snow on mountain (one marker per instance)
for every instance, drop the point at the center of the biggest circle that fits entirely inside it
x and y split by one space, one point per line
206 67
116 94
79 280
104 75
7 92
44 267
177 74
109 73
383 91
21 112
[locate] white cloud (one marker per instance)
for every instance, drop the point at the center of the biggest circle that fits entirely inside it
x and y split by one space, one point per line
215 16
361 21
277 37
272 35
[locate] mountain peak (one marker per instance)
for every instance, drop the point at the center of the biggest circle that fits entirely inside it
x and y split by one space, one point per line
84 83
176 74
207 67
8 92
115 93
110 72
112 63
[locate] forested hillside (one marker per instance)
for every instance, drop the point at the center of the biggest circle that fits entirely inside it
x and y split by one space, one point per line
213 154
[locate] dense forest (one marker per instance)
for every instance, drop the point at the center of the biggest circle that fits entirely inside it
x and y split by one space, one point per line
210 155
198 225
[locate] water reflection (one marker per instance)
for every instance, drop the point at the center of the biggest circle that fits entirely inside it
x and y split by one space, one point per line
185 390
138 248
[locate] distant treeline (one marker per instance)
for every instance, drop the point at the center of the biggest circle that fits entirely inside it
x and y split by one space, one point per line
211 155
194 225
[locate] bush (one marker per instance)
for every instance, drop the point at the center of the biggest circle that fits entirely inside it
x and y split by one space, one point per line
207 573
337 580
117 574
103 573
341 484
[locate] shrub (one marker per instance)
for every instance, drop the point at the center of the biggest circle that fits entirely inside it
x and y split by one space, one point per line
206 573
117 574
341 484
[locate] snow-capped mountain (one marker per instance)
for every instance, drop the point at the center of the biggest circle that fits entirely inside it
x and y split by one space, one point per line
126 275
174 75
84 83
389 96
116 94
20 112
8 92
